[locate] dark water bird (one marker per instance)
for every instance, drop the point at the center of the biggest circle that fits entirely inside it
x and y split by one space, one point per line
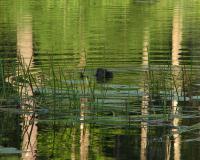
102 75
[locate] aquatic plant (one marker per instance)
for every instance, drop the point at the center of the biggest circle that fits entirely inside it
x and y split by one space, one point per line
61 92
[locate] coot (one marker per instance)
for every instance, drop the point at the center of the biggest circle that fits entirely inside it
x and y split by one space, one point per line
103 74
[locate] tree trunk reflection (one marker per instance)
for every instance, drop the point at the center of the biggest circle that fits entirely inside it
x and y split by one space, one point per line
29 127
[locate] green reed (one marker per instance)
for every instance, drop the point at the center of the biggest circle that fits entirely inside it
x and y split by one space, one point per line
62 90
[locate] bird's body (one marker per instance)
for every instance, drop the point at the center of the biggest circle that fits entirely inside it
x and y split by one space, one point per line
103 74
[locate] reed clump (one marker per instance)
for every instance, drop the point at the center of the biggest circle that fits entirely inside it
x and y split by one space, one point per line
62 91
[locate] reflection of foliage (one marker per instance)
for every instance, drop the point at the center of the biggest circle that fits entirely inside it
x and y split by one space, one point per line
91 26
56 140
9 126
169 82
6 87
10 130
68 29
10 157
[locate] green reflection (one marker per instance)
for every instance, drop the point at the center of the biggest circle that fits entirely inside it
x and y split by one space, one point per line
150 46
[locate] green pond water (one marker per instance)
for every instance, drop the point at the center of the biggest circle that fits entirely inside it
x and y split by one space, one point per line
54 105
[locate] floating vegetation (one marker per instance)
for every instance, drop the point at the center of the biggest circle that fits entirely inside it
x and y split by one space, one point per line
9 150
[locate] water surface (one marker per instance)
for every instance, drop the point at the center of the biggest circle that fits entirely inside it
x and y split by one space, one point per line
148 110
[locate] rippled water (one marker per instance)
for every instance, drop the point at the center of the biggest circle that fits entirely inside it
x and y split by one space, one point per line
148 110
